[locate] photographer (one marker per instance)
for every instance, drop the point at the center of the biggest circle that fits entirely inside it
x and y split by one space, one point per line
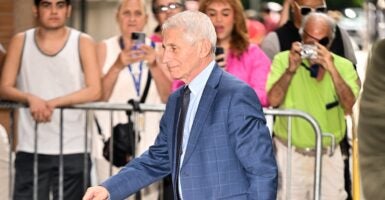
311 78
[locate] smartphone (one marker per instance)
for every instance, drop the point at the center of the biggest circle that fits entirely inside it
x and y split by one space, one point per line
219 50
138 38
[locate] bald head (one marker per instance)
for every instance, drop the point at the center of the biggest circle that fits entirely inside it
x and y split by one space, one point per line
318 26
320 20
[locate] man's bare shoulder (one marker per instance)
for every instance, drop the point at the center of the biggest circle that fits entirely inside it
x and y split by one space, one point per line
86 44
84 37
17 40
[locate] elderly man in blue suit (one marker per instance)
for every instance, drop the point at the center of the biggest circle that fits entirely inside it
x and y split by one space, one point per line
220 149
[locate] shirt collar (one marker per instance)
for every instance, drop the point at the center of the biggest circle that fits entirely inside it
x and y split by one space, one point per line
199 82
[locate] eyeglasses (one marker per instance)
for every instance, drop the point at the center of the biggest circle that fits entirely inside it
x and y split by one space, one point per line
323 41
165 8
306 9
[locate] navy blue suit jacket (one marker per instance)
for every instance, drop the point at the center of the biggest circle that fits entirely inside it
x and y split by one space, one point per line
229 153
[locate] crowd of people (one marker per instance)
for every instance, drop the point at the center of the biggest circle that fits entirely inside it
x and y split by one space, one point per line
215 68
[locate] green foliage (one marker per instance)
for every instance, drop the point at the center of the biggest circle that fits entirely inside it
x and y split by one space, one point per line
340 4
332 4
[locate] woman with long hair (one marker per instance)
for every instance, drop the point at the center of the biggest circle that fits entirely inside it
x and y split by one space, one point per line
240 58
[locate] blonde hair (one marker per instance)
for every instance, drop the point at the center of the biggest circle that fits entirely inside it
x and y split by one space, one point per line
142 2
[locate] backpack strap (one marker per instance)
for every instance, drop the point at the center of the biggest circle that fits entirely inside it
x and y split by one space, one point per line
146 88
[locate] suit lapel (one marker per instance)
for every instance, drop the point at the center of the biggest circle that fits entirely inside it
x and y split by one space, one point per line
204 106
175 124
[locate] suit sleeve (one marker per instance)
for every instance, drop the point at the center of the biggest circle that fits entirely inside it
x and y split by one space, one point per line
253 144
149 167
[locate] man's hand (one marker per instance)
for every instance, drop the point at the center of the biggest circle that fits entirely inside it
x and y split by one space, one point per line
295 56
221 60
40 110
324 58
288 1
96 193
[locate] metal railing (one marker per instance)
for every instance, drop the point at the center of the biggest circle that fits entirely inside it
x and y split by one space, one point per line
150 108
318 146
87 107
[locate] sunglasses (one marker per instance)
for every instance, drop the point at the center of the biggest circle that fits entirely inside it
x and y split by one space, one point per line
305 10
323 41
165 8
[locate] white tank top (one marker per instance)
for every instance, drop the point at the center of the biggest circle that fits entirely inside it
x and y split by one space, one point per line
48 77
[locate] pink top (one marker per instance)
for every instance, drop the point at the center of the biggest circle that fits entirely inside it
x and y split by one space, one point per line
253 67
156 38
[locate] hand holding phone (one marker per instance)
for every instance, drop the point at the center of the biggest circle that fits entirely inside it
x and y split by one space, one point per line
220 56
138 39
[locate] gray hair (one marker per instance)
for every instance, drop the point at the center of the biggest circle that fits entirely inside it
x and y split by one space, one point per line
196 26
315 16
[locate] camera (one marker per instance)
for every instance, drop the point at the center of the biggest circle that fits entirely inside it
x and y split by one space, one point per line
138 38
308 51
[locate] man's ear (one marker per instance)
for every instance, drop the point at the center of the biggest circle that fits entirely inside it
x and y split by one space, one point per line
206 48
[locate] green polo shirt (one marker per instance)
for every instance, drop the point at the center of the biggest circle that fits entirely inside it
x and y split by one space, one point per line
309 95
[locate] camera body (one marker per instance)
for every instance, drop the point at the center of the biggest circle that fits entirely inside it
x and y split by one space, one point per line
138 38
308 51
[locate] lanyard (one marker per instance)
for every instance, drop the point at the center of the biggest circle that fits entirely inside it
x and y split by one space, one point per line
137 81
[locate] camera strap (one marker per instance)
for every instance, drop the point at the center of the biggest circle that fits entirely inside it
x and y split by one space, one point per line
313 70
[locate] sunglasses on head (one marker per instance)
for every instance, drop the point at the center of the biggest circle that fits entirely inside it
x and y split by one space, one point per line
165 8
305 10
323 41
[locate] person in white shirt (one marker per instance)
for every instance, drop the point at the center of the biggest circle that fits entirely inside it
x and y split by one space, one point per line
47 67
